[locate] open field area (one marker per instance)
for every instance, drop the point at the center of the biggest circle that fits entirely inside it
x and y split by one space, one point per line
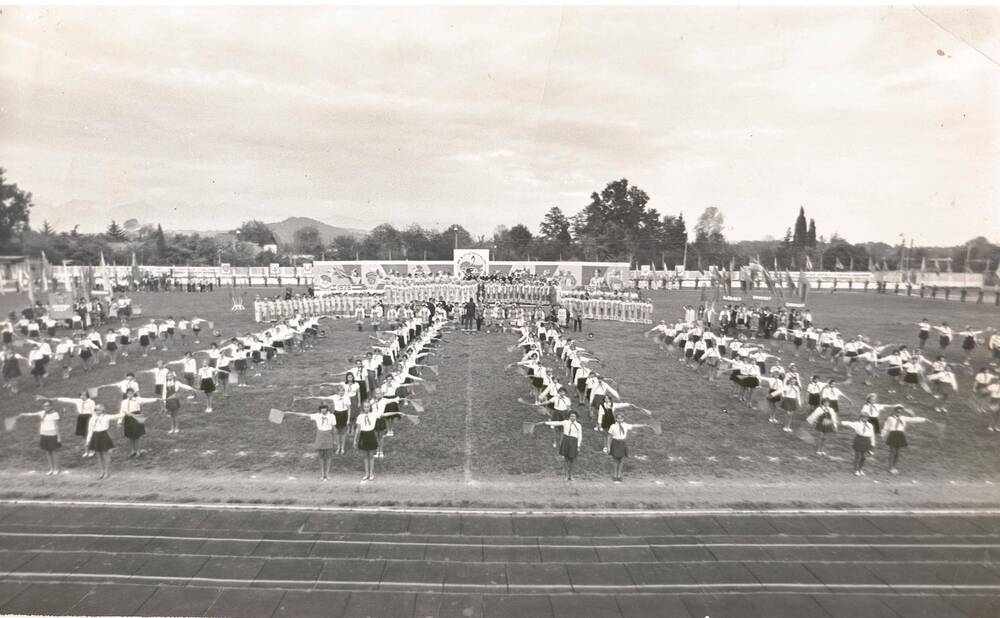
469 450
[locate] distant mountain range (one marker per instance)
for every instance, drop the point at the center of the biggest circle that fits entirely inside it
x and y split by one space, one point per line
285 230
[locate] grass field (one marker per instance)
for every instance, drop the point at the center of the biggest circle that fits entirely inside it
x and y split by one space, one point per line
469 449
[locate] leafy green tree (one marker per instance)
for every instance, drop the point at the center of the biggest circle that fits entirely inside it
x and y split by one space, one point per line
115 233
344 248
675 237
15 208
256 232
307 240
617 225
555 227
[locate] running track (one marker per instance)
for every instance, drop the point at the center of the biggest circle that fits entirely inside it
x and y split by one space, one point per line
249 561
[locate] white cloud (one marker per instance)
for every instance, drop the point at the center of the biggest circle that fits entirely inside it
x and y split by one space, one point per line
489 116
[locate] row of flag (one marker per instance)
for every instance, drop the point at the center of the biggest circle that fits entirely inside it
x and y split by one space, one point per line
874 265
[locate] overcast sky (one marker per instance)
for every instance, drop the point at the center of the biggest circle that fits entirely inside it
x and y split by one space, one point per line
879 121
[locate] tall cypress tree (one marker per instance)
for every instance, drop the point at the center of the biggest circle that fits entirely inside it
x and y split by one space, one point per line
161 241
811 236
800 237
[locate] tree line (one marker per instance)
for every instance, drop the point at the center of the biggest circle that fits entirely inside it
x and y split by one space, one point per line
616 225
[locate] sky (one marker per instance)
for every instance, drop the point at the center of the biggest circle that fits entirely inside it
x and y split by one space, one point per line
880 122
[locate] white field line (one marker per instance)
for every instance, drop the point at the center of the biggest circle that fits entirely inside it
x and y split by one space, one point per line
467 467
621 513
514 587
555 546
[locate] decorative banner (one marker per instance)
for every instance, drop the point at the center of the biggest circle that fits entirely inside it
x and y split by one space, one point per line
795 305
225 269
372 274
521 267
605 277
61 305
258 271
241 271
274 269
568 275
330 275
732 299
471 261
761 297
616 277
307 269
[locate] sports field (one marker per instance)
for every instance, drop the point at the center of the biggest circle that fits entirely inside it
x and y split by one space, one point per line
469 449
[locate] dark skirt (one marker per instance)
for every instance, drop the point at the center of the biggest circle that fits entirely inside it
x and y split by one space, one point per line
207 385
607 420
619 450
111 346
895 372
923 335
340 419
133 429
824 424
896 439
944 341
968 344
568 447
749 382
324 440
144 340
49 443
11 369
814 399
380 424
240 364
172 404
38 368
100 442
911 378
367 441
598 401
862 444
789 404
82 422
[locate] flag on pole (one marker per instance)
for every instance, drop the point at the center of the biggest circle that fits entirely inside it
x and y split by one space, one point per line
791 265
851 266
775 263
68 279
871 264
46 272
923 264
837 264
684 262
809 264
30 281
135 271
105 278
968 258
